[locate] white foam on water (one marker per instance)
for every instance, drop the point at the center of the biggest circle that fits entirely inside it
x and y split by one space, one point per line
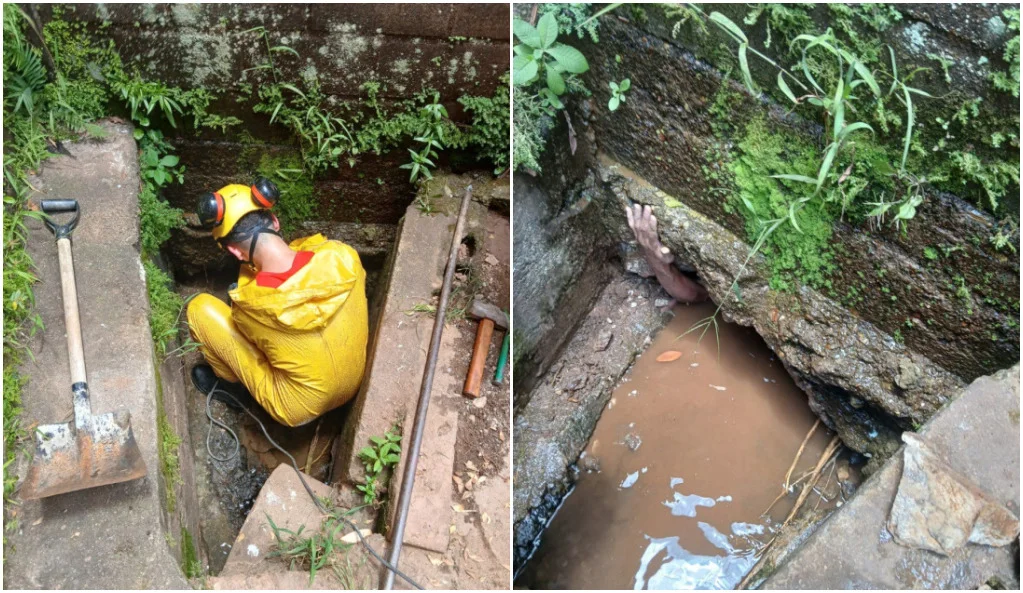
683 570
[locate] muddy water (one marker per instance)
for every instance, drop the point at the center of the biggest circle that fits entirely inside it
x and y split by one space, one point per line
684 460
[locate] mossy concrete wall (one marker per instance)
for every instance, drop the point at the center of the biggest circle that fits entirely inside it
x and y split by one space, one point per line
455 49
960 309
941 295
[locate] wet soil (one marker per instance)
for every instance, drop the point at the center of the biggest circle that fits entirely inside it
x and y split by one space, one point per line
686 457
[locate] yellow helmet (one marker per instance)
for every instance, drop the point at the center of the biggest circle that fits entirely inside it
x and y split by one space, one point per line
221 210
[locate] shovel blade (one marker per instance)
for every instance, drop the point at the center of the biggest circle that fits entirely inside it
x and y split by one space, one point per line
101 450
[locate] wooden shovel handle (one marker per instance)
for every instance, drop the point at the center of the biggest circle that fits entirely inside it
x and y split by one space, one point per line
72 322
480 348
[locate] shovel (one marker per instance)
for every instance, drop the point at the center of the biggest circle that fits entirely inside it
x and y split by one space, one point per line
92 450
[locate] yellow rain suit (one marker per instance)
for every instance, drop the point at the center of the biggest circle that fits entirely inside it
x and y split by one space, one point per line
300 349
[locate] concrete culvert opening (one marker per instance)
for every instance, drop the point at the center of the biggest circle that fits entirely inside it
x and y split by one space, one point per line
865 322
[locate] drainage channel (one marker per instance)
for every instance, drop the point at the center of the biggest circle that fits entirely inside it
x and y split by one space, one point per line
227 483
688 455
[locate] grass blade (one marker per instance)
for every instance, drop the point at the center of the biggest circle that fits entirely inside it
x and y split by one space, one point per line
731 28
909 127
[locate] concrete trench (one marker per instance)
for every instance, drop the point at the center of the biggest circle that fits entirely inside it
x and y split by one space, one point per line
575 278
227 493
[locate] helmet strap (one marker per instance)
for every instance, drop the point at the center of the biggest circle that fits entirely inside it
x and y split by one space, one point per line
252 244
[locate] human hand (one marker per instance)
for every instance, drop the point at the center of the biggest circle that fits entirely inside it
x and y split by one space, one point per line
644 225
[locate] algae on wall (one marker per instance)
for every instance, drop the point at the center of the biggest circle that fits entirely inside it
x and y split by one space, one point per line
698 135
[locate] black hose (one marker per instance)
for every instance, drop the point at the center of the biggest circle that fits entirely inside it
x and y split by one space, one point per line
294 465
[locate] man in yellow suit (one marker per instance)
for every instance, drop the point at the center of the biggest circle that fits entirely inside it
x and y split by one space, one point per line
295 337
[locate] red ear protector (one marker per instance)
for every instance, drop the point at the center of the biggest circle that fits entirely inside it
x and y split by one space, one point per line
211 206
210 210
265 192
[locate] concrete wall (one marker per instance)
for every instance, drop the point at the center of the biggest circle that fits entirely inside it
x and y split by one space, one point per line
455 49
664 129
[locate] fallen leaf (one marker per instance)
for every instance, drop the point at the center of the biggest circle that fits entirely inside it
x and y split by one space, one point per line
485 518
669 355
470 465
458 508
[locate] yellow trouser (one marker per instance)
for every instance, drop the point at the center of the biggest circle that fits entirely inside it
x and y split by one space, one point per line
236 359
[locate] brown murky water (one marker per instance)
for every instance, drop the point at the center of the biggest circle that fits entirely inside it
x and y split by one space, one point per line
684 460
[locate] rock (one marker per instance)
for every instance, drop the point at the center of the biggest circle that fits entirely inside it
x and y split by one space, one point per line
589 463
909 374
939 510
637 264
603 341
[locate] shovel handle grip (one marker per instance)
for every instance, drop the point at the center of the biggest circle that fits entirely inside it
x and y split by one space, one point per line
49 207
72 322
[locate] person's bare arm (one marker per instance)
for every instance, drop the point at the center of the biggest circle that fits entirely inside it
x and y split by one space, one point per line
644 224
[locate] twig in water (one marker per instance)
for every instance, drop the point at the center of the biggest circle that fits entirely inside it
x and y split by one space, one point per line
830 450
788 475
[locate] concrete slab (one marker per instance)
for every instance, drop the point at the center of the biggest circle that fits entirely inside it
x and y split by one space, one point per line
285 501
430 511
111 537
978 435
394 370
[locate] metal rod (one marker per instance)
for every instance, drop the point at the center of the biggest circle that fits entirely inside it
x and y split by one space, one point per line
408 475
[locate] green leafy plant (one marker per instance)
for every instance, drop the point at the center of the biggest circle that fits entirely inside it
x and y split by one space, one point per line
1008 81
618 93
316 551
24 73
539 55
831 96
431 136
383 454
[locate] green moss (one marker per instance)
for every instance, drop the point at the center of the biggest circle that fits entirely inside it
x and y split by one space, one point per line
168 443
785 21
190 564
164 307
1008 81
792 255
297 203
490 124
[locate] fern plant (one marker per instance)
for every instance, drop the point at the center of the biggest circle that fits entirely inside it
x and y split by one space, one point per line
24 73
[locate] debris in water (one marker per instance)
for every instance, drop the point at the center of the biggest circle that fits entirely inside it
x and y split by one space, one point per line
684 570
695 364
669 355
715 537
724 499
719 387
632 441
252 550
742 529
629 480
685 505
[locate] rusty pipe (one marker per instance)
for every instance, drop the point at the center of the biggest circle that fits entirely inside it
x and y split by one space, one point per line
412 456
